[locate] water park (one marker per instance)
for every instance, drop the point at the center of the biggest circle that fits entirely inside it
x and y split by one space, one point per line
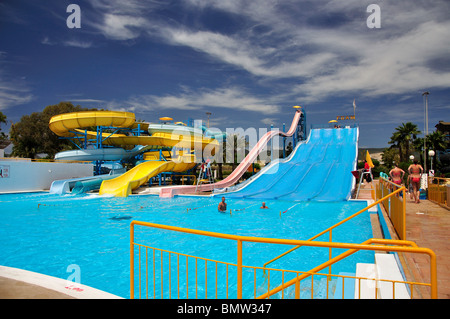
136 210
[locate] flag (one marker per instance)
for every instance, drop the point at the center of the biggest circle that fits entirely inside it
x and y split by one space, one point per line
369 160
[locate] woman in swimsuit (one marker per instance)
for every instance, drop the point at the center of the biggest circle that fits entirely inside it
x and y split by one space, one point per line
415 170
397 175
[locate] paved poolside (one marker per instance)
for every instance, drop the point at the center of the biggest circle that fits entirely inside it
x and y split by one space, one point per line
428 225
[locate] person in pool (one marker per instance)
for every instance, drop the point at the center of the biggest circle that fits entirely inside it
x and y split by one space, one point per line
222 205
415 173
396 175
264 206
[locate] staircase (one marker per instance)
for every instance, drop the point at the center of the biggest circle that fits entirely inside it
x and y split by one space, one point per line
375 286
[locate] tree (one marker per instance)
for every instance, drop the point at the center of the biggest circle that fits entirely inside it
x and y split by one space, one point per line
2 120
436 141
418 147
289 149
235 149
389 156
403 137
31 135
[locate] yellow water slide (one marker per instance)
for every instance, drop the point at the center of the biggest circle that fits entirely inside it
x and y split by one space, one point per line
71 124
123 185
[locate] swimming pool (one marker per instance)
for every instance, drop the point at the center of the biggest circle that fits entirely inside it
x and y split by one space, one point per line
47 233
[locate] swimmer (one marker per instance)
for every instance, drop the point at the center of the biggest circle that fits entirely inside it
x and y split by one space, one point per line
222 205
264 206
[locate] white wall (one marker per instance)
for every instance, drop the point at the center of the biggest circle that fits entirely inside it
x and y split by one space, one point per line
25 175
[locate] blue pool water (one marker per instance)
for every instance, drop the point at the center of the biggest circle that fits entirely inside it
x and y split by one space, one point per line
47 233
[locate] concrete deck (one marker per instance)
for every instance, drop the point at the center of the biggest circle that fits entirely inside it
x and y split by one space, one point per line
21 284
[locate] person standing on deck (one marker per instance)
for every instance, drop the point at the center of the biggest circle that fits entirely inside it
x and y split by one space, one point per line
415 170
396 175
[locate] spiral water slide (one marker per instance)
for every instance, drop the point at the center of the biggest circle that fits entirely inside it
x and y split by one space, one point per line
240 169
70 124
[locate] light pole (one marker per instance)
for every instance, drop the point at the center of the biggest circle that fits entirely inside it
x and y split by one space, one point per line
426 93
431 154
208 113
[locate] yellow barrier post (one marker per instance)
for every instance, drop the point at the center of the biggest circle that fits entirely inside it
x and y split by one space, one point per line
132 260
239 269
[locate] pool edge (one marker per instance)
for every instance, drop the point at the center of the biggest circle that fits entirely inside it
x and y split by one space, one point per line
24 284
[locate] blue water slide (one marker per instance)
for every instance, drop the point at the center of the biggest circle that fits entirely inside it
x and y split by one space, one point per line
100 154
65 186
318 169
213 134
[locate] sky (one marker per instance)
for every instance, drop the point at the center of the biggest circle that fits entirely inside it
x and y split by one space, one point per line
246 62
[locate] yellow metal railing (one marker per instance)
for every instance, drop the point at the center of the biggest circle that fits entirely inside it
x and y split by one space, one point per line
395 206
400 246
437 189
166 271
330 229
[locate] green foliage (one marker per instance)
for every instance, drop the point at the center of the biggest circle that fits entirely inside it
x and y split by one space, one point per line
403 137
31 135
2 120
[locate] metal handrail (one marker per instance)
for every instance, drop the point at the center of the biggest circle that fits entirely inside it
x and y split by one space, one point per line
367 245
437 192
336 225
371 244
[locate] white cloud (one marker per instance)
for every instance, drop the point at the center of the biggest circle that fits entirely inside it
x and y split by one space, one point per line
324 46
13 90
122 27
11 97
78 44
390 66
68 43
225 98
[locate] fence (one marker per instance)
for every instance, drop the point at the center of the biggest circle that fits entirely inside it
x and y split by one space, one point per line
395 206
170 274
437 189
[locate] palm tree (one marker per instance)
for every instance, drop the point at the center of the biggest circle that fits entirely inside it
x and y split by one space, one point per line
235 145
417 144
397 141
403 137
436 141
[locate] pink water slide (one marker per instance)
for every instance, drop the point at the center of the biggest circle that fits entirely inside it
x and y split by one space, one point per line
239 171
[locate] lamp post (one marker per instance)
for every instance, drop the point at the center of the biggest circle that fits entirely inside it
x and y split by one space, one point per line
209 114
426 93
431 154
